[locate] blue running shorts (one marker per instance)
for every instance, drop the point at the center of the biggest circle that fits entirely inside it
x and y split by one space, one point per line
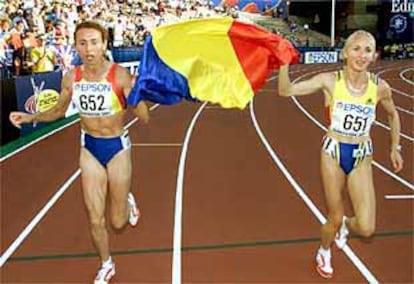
347 155
105 148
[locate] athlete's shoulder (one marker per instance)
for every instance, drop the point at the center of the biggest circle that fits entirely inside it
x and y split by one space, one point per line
69 77
384 89
382 84
120 70
326 80
333 74
326 76
121 75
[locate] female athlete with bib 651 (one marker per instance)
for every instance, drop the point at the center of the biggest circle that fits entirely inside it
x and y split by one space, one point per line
99 89
351 95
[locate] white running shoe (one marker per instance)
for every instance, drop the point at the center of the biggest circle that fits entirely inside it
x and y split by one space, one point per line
323 263
133 210
342 236
105 274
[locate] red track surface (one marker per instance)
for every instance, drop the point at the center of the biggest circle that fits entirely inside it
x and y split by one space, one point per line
243 222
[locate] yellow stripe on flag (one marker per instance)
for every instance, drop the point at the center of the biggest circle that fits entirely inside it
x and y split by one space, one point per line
207 59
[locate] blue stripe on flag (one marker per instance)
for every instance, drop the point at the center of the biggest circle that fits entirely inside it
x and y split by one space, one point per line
157 82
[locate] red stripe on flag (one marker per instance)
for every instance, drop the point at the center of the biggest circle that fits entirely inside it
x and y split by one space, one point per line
259 51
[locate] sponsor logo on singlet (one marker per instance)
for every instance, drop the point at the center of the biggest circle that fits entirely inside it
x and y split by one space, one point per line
94 87
357 108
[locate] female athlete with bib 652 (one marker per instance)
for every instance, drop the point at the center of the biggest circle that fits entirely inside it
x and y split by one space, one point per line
99 89
351 95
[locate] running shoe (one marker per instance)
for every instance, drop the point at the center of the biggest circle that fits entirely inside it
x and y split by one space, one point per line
105 274
133 210
342 236
323 263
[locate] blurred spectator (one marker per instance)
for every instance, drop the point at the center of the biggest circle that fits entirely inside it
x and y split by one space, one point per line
19 18
16 42
64 53
4 72
398 51
42 57
118 33
4 29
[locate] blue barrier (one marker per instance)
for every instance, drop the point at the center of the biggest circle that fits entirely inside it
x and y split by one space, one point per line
127 54
119 54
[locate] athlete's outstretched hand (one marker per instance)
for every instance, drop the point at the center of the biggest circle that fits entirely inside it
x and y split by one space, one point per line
396 160
17 118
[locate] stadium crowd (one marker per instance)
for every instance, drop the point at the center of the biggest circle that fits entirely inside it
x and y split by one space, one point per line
36 35
398 51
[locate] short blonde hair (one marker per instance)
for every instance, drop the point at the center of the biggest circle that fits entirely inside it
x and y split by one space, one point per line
359 33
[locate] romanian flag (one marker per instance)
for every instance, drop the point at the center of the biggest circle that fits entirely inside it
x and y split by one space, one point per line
218 60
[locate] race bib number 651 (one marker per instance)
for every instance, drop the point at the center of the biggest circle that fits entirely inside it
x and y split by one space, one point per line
352 119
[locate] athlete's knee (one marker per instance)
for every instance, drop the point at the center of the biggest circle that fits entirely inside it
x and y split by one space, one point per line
97 222
366 229
118 221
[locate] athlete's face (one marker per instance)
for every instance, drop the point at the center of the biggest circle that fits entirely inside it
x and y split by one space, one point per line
360 53
89 45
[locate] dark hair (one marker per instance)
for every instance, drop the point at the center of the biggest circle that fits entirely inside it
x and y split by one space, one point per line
92 25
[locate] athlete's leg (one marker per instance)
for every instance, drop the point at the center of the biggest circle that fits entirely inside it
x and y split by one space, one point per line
362 194
94 185
333 179
119 171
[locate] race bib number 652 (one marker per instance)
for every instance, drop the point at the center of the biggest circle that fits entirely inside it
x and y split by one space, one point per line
93 99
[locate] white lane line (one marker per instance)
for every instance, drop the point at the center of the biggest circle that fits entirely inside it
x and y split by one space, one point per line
395 90
23 235
178 214
387 127
404 110
347 250
402 196
20 149
404 78
402 93
157 144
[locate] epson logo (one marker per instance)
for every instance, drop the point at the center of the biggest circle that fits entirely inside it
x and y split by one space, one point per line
369 111
402 6
321 57
94 87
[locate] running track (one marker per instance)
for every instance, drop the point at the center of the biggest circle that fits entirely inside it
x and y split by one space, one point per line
227 196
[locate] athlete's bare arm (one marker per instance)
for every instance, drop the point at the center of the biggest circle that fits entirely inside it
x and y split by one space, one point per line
126 82
385 98
141 111
18 118
322 81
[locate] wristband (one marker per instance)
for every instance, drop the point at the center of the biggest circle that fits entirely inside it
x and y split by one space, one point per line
398 148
